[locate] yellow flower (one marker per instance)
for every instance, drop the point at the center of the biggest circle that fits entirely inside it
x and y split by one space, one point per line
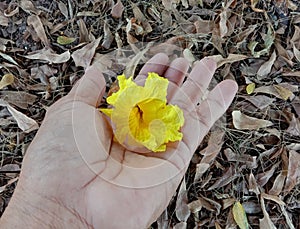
141 116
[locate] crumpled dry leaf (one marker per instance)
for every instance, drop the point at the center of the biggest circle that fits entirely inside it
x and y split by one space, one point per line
18 98
268 42
83 57
265 222
8 58
3 20
245 122
117 10
182 210
260 101
239 215
49 55
37 25
253 186
63 9
265 68
215 143
253 6
140 17
108 36
293 171
230 59
28 7
6 80
282 91
294 127
24 122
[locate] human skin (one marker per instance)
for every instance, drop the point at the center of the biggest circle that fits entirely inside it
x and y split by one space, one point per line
74 175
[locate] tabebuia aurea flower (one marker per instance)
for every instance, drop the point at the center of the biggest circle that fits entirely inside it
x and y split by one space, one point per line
141 116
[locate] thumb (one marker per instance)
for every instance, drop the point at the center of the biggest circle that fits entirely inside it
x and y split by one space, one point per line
90 88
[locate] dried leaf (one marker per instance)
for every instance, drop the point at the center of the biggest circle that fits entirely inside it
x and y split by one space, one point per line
210 152
3 20
48 55
283 92
181 225
142 19
253 6
108 37
293 171
294 127
223 23
204 26
245 122
250 88
28 7
63 9
239 215
117 10
268 42
37 25
64 40
18 98
296 52
265 222
260 101
265 68
230 59
283 88
6 80
8 58
24 122
83 57
182 210
83 32
253 187
278 184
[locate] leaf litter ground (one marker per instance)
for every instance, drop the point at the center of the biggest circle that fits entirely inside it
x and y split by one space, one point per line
246 172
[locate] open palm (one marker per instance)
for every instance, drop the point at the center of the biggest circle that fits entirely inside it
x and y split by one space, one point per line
75 166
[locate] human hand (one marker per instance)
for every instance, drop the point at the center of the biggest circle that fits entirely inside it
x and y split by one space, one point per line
74 175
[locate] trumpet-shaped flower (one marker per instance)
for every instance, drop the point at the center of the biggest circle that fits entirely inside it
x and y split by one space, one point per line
140 115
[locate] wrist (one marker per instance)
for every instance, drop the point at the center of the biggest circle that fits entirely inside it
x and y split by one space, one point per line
33 210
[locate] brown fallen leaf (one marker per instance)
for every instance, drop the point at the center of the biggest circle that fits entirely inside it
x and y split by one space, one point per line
265 222
294 127
230 59
83 32
253 6
182 210
49 55
253 186
108 36
210 153
64 40
281 91
204 26
141 19
8 58
265 68
24 122
263 178
7 80
83 57
29 7
245 122
3 20
293 171
37 25
18 98
63 9
117 9
260 101
223 23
